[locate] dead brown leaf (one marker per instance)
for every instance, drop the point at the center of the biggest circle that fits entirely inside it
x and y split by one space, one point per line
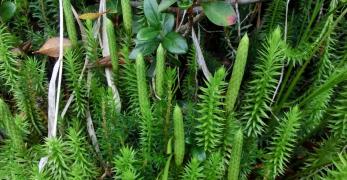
22 48
91 16
104 62
51 47
26 46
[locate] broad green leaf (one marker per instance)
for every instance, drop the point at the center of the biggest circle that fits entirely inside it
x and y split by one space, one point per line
200 154
166 4
136 27
175 43
150 8
113 6
147 33
145 48
185 4
220 13
168 22
7 10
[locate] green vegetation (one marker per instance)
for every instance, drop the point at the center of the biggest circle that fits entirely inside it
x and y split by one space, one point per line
173 89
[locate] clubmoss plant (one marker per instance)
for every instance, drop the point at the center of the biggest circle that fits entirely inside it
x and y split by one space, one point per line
211 121
179 147
159 71
275 108
70 23
127 16
193 170
265 78
234 166
237 74
112 43
282 143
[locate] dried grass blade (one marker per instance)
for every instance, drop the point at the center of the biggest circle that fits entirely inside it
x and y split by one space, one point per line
201 59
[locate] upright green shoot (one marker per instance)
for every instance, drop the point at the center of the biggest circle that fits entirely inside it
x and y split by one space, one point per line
237 74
